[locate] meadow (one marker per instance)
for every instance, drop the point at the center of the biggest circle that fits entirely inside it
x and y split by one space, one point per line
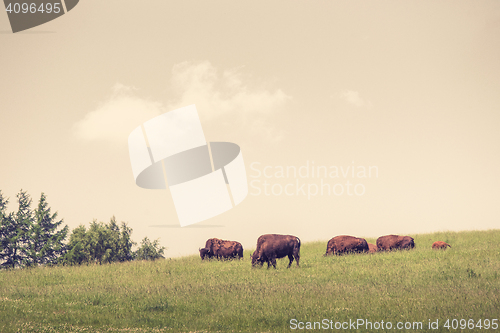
187 295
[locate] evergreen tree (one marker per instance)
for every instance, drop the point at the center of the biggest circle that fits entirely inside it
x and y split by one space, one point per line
15 233
27 237
5 225
45 242
150 250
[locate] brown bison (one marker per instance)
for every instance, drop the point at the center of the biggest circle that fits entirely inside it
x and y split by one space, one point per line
394 242
221 249
345 244
271 247
440 245
372 248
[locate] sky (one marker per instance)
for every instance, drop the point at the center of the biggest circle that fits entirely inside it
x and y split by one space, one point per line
397 100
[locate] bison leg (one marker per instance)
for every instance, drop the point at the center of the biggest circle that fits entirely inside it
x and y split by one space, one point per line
271 261
296 255
290 257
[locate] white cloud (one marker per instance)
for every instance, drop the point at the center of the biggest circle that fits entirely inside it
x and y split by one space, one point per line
219 94
113 120
353 98
215 94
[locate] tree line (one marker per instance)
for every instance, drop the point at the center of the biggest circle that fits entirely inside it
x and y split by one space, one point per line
31 237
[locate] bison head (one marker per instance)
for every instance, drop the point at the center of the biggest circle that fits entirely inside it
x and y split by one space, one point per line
204 253
256 259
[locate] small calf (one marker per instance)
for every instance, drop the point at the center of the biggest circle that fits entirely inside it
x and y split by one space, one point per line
440 245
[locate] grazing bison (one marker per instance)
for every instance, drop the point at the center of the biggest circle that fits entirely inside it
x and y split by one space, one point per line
345 244
205 253
440 245
272 246
221 249
372 248
390 242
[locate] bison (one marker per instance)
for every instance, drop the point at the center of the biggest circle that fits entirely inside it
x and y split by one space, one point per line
440 245
272 246
345 244
372 248
390 242
221 249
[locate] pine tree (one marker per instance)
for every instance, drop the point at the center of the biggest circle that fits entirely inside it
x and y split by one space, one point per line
27 237
45 242
5 225
15 233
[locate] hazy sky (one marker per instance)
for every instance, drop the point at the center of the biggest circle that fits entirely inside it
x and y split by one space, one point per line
410 88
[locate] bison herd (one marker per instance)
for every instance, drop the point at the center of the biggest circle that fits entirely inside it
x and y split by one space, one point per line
272 246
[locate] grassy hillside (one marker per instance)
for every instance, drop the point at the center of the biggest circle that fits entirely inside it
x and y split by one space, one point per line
183 295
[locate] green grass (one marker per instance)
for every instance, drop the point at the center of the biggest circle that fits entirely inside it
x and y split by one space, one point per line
185 294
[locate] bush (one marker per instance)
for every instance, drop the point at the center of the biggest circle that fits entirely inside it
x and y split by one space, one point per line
149 250
101 243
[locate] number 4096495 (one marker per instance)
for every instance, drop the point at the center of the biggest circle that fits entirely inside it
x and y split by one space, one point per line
471 324
33 8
